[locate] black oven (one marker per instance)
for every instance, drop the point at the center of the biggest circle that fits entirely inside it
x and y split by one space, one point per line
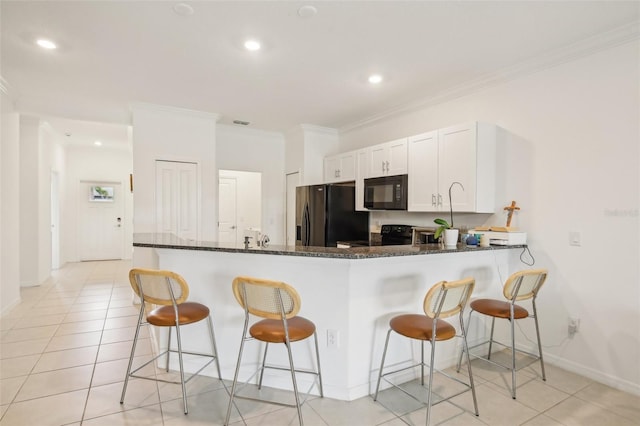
386 193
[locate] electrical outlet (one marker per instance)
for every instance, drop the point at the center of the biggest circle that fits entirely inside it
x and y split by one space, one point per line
333 338
575 239
574 325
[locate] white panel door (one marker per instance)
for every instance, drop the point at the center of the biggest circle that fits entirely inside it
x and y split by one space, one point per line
177 198
101 222
227 210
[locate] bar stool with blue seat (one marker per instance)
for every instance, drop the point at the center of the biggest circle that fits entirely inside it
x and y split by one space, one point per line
520 286
444 299
278 304
166 294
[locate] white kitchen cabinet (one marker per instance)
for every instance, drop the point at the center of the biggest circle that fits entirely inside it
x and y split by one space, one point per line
340 168
362 172
464 153
388 159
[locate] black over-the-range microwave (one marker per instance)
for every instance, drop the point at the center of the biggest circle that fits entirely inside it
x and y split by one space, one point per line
386 193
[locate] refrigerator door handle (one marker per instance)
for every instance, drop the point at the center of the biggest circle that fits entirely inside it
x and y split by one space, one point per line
305 226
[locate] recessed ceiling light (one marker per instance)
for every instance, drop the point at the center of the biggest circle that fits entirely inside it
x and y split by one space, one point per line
183 9
375 79
307 11
252 45
46 44
97 143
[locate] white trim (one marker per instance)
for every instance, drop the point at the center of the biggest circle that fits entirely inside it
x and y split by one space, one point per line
608 39
319 129
174 110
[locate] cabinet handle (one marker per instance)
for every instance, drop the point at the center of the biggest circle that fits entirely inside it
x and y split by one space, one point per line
383 166
440 199
433 200
337 173
387 166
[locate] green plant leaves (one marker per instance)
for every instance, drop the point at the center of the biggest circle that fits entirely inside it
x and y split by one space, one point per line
442 222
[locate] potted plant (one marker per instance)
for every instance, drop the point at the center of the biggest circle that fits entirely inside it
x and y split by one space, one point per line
450 233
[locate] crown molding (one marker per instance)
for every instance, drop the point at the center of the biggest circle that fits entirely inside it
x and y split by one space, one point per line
174 110
605 40
319 129
238 129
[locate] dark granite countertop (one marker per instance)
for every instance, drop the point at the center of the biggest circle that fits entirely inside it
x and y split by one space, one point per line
170 241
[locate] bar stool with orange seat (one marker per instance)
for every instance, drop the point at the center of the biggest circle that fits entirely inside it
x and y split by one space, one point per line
443 300
279 304
167 291
520 286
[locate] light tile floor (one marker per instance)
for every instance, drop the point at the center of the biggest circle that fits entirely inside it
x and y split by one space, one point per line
64 351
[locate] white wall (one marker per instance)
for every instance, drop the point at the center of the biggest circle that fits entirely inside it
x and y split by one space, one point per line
306 146
173 134
29 171
101 164
52 158
40 152
260 151
572 161
9 205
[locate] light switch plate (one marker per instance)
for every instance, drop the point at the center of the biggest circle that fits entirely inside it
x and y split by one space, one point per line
575 239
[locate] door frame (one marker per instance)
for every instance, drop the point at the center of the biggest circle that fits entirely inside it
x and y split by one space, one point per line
80 217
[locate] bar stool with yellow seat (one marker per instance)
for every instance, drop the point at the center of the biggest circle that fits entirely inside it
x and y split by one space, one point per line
166 292
279 304
443 300
520 286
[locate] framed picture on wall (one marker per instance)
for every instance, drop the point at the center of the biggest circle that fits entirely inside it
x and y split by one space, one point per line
101 194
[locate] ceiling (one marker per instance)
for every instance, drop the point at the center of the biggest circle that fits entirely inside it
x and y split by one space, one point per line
314 69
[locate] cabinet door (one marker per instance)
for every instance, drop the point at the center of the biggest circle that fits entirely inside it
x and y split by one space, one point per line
347 169
423 172
457 163
331 169
378 160
397 157
362 172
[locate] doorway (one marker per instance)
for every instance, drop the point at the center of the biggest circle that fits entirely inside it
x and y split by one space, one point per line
239 205
101 221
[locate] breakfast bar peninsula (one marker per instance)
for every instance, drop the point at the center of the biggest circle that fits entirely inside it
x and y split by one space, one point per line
349 293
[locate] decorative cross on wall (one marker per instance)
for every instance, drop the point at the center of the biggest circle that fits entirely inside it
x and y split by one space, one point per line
511 209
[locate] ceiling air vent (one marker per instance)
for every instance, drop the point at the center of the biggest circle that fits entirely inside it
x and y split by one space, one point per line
242 123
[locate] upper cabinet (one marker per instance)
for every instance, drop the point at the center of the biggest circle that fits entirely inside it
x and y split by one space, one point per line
466 154
340 168
362 172
388 159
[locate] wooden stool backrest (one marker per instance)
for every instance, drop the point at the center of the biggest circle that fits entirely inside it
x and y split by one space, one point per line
524 284
159 287
266 298
448 298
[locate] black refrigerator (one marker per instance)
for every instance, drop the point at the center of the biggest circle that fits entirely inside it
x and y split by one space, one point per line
325 214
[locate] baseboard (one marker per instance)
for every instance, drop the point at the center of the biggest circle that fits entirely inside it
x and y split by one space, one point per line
598 376
10 306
